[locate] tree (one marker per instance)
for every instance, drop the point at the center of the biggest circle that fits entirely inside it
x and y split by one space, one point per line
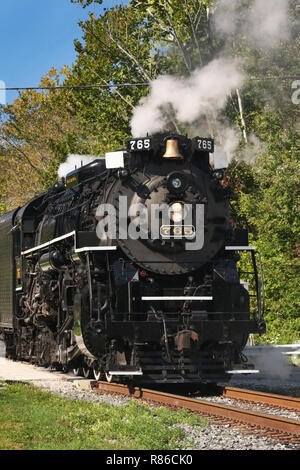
36 133
134 44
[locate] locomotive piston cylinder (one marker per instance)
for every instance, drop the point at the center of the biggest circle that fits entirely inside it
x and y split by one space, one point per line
52 261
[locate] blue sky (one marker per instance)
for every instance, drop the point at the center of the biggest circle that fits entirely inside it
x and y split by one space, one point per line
36 35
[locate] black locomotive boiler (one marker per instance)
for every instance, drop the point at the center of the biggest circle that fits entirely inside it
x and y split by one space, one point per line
162 306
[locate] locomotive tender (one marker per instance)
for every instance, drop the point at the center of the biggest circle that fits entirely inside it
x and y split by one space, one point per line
164 308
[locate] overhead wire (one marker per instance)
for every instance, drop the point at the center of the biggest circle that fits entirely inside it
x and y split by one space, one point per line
118 85
74 87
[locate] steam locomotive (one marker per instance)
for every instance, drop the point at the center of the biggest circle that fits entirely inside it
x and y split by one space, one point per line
127 269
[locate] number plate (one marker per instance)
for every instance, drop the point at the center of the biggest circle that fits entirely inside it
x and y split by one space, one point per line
139 145
177 231
204 145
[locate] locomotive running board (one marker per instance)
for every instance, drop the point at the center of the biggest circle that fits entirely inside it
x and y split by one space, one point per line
178 297
76 249
243 371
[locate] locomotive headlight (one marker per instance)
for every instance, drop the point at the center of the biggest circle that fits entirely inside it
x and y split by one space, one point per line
177 212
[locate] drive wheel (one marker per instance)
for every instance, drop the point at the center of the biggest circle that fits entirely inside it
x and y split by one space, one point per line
98 375
108 377
78 372
87 372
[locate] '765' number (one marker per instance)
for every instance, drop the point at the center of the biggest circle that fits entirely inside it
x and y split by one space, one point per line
206 145
140 144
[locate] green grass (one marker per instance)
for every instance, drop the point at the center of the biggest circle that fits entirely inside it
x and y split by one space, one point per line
31 419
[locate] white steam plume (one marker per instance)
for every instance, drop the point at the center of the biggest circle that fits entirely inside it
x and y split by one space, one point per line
74 161
273 363
269 22
265 23
204 92
195 102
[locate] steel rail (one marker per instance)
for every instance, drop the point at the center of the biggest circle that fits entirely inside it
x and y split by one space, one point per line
262 420
261 397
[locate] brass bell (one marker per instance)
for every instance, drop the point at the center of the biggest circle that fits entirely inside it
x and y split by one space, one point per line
172 149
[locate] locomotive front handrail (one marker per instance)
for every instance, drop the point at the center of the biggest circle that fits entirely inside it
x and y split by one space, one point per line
240 248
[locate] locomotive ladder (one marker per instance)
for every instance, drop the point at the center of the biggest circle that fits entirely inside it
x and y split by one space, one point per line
259 282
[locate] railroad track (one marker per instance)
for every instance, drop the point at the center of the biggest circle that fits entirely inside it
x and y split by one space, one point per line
282 429
262 398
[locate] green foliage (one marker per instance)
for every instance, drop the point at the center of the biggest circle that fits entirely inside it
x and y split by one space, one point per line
86 3
267 197
267 193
